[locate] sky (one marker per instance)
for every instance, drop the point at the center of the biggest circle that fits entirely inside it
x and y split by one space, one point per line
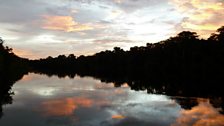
39 28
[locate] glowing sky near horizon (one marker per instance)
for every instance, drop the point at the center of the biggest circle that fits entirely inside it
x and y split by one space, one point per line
39 28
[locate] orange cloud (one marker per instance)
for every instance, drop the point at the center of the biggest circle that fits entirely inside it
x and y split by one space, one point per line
64 23
27 78
65 107
59 107
84 102
202 115
117 117
202 16
24 53
125 85
119 91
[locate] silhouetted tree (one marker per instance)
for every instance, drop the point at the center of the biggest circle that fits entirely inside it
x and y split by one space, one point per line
187 35
12 68
218 36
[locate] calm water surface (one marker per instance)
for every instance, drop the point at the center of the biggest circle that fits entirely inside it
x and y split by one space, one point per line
43 101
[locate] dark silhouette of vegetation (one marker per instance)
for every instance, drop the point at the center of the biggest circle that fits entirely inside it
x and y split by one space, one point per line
12 68
184 65
183 61
6 83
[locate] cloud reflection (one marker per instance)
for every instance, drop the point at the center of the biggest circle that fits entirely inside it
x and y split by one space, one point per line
65 107
202 115
117 117
89 102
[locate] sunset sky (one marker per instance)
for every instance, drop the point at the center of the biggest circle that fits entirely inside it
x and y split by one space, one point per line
39 28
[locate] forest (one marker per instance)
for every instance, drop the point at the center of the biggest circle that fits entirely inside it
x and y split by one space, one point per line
184 65
184 61
181 65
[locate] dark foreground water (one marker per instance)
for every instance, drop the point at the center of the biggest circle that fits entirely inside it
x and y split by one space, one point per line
43 101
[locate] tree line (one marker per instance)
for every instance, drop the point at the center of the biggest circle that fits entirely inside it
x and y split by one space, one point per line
182 59
183 65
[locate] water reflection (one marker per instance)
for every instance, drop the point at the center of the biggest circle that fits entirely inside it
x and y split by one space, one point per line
6 83
43 101
204 114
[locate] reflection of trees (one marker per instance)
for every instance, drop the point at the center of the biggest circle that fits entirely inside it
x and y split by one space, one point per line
5 95
186 103
218 102
6 82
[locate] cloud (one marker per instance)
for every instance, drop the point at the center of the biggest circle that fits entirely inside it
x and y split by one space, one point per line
63 23
118 1
134 5
20 12
117 117
202 16
91 26
61 107
202 115
128 6
111 40
24 53
65 107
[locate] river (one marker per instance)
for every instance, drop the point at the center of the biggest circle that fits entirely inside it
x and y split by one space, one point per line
40 100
